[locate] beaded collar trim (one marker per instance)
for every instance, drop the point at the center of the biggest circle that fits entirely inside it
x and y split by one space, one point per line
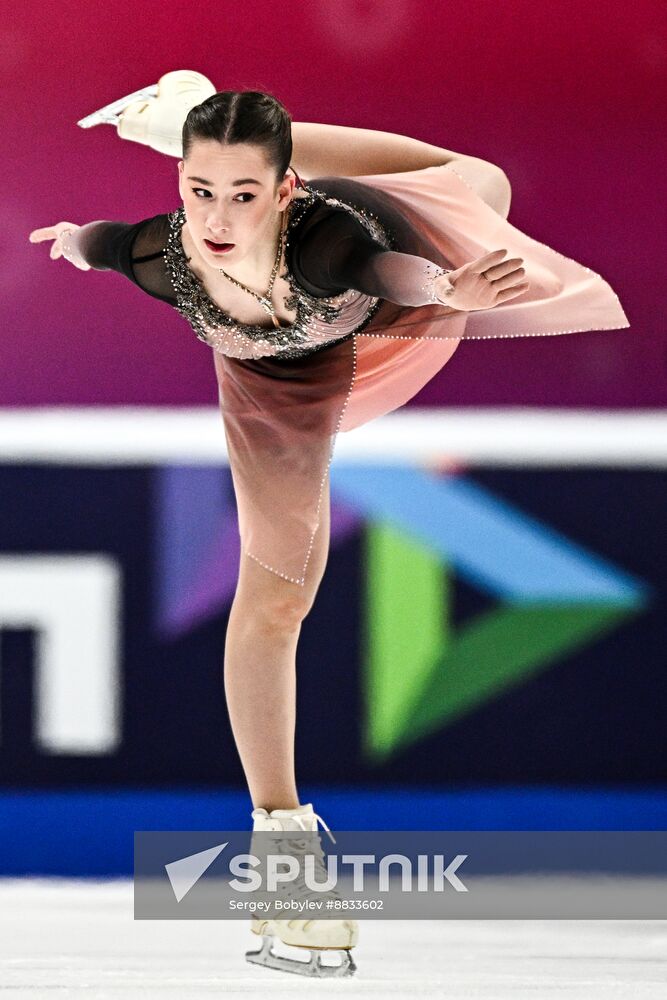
203 315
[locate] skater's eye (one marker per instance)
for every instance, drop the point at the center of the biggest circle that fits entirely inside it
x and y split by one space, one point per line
244 194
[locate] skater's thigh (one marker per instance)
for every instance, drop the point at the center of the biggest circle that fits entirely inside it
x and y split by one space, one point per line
267 593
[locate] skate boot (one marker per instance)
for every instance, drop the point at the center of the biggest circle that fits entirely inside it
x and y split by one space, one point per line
154 116
325 939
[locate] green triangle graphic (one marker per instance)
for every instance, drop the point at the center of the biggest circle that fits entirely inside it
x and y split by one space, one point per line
419 675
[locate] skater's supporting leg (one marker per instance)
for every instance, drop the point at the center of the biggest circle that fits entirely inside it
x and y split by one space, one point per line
260 670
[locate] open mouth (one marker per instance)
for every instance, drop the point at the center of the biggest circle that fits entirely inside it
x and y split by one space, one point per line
218 247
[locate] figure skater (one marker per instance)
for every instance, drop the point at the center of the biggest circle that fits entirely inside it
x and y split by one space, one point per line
327 303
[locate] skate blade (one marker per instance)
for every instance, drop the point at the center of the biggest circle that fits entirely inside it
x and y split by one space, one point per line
109 114
314 967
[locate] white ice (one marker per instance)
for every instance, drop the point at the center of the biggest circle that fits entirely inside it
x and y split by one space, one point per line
79 938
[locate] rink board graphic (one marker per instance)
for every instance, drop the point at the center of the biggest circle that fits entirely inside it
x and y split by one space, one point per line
36 835
493 622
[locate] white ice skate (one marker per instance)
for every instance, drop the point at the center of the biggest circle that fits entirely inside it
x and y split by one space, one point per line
321 940
154 115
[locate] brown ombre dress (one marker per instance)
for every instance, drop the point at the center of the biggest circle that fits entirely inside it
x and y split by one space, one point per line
361 255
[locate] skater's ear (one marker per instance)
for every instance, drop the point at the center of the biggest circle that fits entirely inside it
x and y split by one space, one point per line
285 190
181 166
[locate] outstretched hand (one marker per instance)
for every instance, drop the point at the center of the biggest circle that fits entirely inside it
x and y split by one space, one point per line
56 233
483 283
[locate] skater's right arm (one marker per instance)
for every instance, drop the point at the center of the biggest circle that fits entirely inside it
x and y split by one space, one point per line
133 249
83 246
58 234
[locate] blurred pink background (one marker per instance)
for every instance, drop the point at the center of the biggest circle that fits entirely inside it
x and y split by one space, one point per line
569 99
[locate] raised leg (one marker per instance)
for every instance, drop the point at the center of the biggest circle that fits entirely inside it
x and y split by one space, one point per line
155 115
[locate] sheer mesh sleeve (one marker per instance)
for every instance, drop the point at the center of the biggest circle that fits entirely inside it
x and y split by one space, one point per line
338 253
135 250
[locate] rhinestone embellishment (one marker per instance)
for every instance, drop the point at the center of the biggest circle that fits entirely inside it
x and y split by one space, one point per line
219 330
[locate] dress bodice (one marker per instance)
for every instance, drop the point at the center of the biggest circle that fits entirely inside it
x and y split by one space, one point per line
320 320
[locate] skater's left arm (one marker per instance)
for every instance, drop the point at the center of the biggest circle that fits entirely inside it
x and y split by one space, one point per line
338 253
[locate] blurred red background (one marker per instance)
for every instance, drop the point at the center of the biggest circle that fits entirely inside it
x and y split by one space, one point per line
567 98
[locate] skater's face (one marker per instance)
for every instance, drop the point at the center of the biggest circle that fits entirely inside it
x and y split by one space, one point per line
231 196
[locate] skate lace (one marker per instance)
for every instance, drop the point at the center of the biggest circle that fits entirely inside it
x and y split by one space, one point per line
320 820
293 845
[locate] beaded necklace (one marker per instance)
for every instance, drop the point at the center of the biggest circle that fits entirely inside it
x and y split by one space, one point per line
265 300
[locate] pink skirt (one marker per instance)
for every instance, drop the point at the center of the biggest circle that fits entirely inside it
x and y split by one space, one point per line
281 418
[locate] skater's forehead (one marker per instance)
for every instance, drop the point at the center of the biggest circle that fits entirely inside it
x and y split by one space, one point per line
232 164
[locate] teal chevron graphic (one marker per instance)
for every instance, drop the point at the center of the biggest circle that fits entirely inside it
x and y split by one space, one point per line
419 673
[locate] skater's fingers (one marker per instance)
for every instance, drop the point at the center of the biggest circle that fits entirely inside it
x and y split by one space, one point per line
38 235
509 266
507 278
50 232
490 259
512 292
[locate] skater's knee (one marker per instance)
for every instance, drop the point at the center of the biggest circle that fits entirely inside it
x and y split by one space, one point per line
488 181
269 600
498 193
278 613
284 612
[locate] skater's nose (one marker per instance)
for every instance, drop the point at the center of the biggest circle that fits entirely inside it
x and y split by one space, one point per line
217 229
216 223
